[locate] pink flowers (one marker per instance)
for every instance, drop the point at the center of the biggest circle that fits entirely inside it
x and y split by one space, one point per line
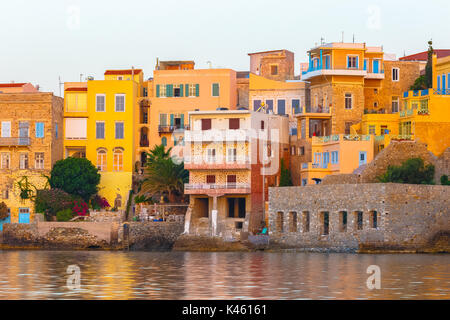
80 208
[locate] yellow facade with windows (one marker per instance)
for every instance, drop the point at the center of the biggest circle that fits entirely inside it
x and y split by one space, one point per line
99 124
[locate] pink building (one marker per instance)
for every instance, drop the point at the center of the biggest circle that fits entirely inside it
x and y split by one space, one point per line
17 88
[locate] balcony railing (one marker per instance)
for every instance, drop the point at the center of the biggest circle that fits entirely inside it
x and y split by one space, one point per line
214 186
14 141
304 110
442 92
340 137
170 129
216 160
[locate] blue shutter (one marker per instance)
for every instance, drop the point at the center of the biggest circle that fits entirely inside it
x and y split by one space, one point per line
438 83
197 90
281 107
181 90
171 120
186 89
357 62
164 141
39 129
157 90
182 121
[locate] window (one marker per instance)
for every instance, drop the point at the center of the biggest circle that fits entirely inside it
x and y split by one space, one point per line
120 103
163 119
211 155
100 130
376 66
192 92
348 100
262 125
365 64
292 221
280 222
161 90
39 160
305 220
24 130
358 220
347 127
231 155
177 90
5 160
335 157
76 102
362 157
326 223
395 104
343 221
23 161
256 105
281 107
39 129
374 219
164 141
118 160
5 195
231 179
328 62
215 90
371 129
119 130
56 130
395 74
234 123
304 182
76 129
301 151
384 130
269 106
295 106
119 78
6 129
100 103
210 179
274 70
101 160
206 124
352 62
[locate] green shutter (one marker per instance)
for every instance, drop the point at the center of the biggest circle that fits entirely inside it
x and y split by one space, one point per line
171 120
215 90
181 90
182 121
157 90
186 88
168 90
197 90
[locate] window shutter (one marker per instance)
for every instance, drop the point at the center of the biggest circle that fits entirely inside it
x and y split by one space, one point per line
39 129
357 62
186 89
157 90
167 90
182 121
197 90
181 90
171 120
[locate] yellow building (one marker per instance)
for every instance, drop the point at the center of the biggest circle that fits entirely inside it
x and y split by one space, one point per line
336 154
423 114
100 118
224 153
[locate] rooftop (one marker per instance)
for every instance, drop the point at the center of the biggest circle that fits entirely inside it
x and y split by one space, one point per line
12 85
423 56
270 51
120 72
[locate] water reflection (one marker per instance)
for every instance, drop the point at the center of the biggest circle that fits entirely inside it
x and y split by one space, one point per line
176 275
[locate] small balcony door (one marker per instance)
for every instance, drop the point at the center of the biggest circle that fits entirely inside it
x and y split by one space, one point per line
362 157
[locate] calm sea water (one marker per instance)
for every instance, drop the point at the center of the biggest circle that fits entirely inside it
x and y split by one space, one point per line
260 275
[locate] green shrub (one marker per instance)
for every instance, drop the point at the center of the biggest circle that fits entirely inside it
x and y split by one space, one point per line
64 215
50 201
412 171
445 181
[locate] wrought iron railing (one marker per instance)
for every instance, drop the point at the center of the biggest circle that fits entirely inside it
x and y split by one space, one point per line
214 186
14 141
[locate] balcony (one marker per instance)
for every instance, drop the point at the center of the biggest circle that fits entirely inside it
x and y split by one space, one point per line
217 189
308 110
218 135
21 141
321 71
442 92
213 163
421 93
375 75
170 129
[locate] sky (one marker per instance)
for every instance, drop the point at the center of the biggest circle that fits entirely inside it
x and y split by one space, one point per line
43 40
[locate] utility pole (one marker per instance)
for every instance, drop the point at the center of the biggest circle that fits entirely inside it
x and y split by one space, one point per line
60 83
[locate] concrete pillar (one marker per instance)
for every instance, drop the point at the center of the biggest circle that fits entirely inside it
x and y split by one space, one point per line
214 217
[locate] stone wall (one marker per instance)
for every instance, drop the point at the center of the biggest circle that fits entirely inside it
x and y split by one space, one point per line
153 235
408 217
61 235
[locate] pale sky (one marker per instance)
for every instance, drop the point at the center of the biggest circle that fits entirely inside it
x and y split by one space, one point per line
41 40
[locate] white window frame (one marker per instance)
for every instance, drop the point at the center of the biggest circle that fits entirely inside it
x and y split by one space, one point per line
118 167
22 157
5 156
39 165
357 61
104 130
192 91
231 155
104 102
115 102
397 99
345 100
102 166
398 74
8 134
210 155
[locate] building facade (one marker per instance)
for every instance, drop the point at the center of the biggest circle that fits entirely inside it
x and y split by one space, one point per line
31 141
100 118
232 158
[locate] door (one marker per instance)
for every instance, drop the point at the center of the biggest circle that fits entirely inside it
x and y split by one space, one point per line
24 215
376 66
362 157
7 220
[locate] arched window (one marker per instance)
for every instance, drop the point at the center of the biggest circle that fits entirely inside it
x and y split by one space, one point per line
164 141
118 160
101 159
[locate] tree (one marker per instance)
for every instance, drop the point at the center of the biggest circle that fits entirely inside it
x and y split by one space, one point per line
76 176
3 211
412 171
420 83
444 180
426 81
162 175
51 201
285 175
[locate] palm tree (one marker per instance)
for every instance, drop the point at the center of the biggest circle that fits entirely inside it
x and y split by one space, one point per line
162 175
